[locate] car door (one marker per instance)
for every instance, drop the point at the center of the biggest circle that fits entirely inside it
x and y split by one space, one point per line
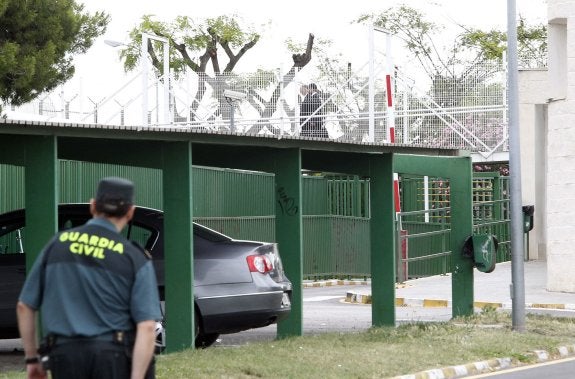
12 271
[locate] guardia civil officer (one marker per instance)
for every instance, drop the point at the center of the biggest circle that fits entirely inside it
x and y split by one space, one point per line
98 297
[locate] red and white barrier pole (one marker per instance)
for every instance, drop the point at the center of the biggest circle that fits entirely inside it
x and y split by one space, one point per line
389 91
390 110
401 234
396 199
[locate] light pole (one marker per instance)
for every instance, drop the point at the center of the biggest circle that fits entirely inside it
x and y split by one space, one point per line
389 87
145 70
517 269
144 64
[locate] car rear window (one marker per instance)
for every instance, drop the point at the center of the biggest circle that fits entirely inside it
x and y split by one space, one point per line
11 238
209 234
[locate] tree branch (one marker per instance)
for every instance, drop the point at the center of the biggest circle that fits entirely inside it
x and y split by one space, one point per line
181 48
212 50
235 58
300 60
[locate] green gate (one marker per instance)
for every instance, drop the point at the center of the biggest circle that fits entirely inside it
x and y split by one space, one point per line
424 226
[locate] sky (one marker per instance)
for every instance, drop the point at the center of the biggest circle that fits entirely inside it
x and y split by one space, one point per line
99 72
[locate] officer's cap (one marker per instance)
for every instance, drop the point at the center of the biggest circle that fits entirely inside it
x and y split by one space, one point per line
114 196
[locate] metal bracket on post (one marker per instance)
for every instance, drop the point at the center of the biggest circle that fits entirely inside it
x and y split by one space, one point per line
482 249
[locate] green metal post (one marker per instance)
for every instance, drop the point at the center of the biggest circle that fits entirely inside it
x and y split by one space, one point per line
289 233
286 164
41 193
178 245
357 196
496 190
382 241
459 172
461 228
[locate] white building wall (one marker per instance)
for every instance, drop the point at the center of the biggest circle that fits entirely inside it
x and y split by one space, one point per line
533 91
560 175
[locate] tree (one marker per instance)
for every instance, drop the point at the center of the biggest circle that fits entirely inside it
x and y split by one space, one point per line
38 39
463 69
197 45
470 49
531 41
469 61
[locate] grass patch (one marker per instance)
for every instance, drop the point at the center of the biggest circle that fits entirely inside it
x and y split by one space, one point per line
378 352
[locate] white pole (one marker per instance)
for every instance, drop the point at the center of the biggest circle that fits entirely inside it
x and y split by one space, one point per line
281 101
156 86
371 134
144 65
426 197
389 90
167 110
405 118
297 107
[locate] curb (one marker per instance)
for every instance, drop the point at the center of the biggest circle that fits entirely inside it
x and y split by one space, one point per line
362 298
335 282
461 371
458 371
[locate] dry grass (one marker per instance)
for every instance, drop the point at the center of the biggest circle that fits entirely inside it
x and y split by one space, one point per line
381 352
377 353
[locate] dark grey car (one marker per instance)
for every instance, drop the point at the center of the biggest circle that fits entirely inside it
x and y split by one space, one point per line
238 285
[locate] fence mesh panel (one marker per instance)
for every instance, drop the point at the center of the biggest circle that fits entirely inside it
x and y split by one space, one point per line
467 113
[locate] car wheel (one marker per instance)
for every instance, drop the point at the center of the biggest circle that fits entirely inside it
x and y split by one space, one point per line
203 340
160 344
206 340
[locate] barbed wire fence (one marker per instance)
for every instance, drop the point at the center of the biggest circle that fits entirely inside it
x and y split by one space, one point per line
468 114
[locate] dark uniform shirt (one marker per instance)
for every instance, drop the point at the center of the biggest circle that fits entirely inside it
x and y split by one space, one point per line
91 280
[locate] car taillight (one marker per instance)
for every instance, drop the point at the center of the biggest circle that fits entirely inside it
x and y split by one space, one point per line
259 263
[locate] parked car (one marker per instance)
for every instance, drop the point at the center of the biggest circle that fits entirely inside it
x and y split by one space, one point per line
238 285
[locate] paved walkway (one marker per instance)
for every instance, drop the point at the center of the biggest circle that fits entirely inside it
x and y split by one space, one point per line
493 289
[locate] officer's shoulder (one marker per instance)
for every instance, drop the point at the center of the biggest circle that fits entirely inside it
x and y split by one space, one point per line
141 249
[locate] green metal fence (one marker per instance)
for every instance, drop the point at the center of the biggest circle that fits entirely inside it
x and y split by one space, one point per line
336 246
335 212
424 224
238 203
491 210
336 226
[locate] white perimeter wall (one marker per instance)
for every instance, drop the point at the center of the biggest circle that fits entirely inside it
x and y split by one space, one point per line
560 174
533 94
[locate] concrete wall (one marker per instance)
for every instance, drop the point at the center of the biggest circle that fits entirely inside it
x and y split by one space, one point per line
560 156
533 93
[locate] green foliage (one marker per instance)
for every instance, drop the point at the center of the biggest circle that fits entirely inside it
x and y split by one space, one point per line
212 48
193 43
461 70
531 41
471 48
38 39
410 26
490 44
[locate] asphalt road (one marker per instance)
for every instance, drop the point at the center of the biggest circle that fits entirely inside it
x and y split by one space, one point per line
559 369
324 310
